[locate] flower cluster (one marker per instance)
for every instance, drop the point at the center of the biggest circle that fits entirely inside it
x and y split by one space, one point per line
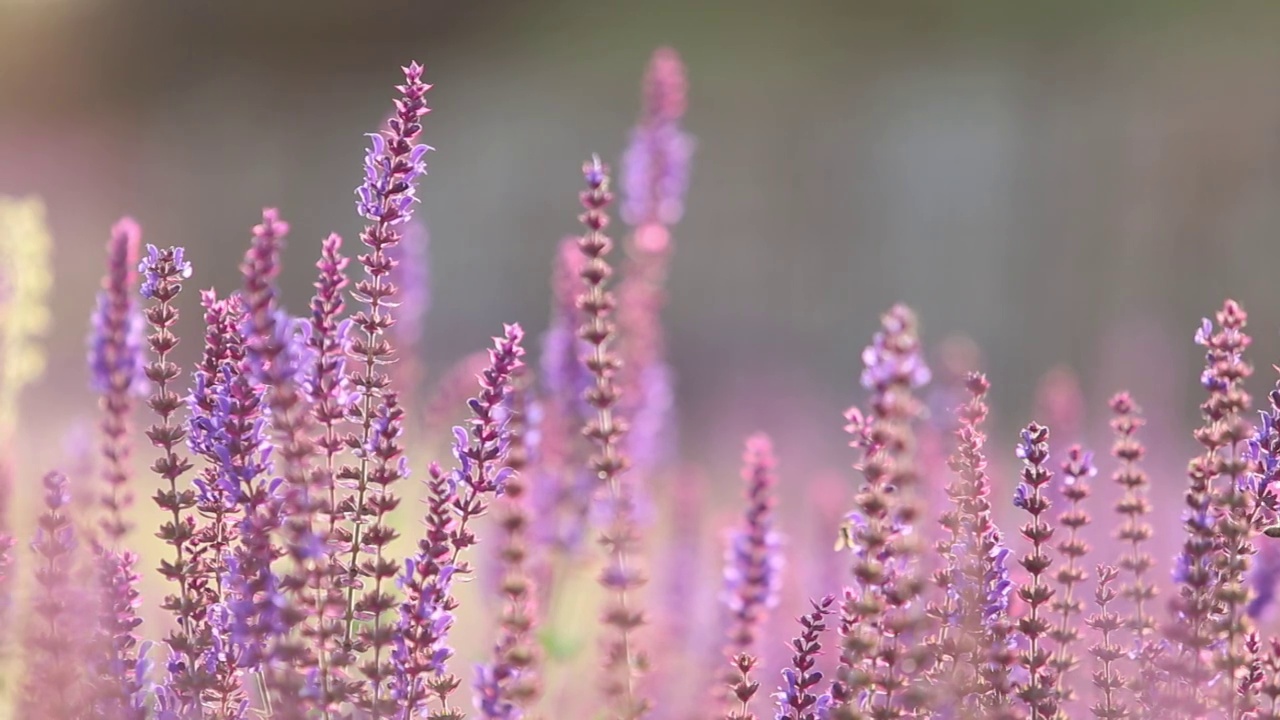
278 454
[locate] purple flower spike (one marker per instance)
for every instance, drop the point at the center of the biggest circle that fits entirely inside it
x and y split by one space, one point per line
118 665
393 162
655 167
753 559
796 698
54 640
153 276
454 500
117 365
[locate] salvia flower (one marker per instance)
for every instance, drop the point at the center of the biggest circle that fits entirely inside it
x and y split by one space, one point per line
158 268
797 699
118 682
1037 692
163 272
880 608
420 649
1134 507
116 363
1108 679
393 162
509 684
456 499
328 389
623 659
971 649
1216 521
1076 471
753 558
392 166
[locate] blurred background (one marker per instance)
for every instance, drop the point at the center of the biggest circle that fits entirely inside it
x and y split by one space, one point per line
1072 185
1064 182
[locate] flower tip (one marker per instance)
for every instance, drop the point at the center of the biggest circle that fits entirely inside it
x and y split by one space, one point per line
127 228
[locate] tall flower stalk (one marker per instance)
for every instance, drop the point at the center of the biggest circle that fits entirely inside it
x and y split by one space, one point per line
509 685
53 682
1234 499
753 559
116 364
1134 531
1107 678
654 181
392 166
797 699
1208 569
330 397
421 652
623 660
1037 691
1076 471
118 683
970 648
162 274
880 530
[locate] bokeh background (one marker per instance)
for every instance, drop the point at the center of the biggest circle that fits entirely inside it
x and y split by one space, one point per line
1066 183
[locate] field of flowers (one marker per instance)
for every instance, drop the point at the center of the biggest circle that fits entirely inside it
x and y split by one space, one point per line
326 549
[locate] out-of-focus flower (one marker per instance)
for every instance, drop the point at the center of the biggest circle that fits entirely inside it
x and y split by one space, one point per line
25 279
